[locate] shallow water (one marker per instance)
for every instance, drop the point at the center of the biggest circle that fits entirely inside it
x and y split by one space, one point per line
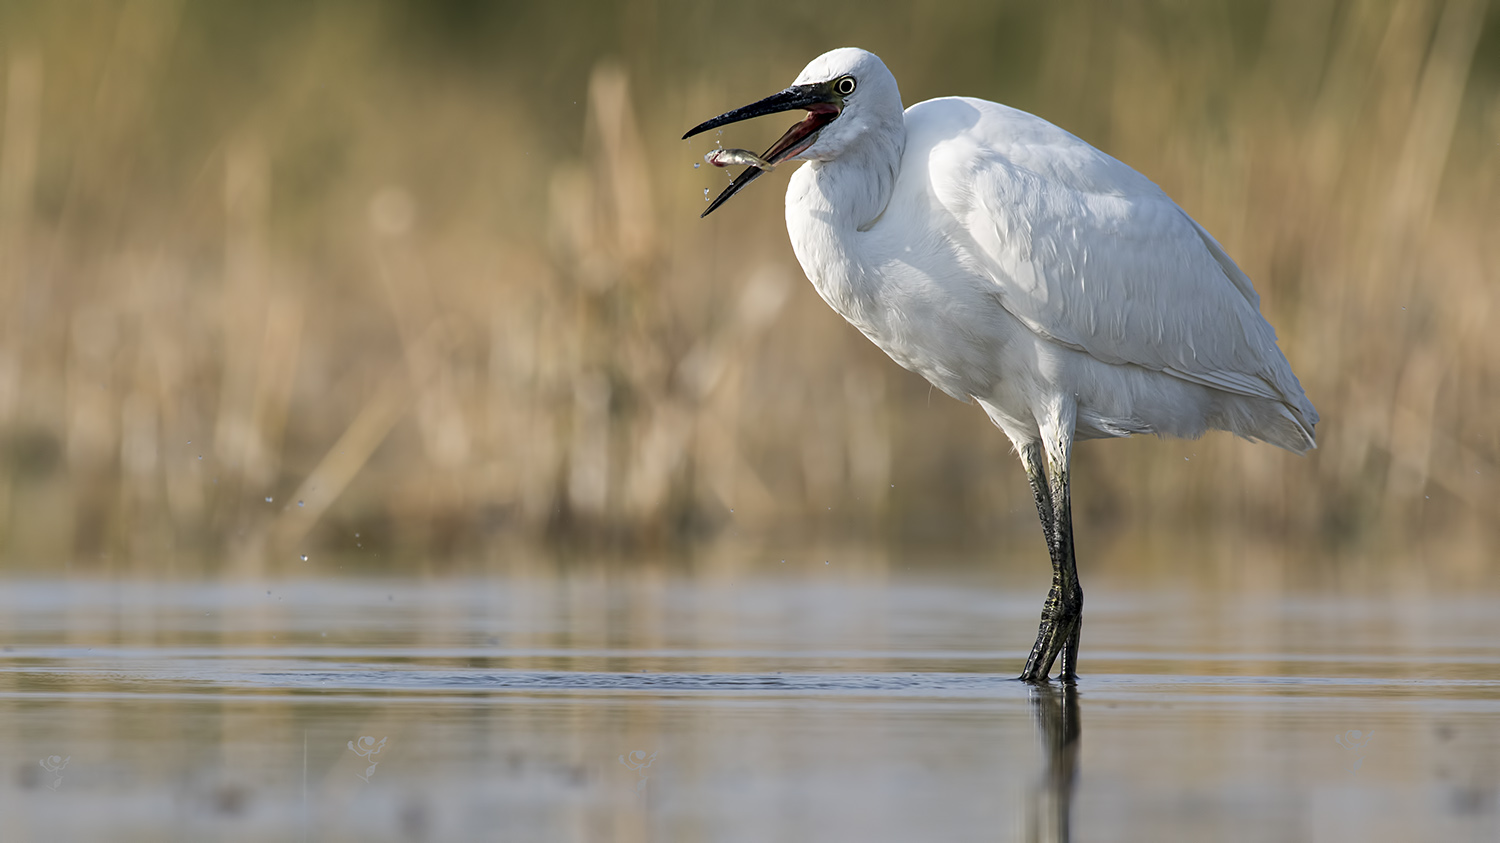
646 706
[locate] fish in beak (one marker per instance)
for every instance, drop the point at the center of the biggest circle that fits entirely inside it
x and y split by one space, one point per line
821 105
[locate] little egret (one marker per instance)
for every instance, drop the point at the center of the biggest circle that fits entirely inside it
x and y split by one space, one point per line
1011 264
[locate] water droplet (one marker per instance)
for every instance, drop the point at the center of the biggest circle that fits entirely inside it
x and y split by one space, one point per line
299 503
705 194
696 166
268 498
825 561
304 557
200 456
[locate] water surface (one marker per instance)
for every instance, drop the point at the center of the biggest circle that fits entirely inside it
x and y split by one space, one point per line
601 705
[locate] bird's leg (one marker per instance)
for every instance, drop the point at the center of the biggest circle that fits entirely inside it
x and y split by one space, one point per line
1062 614
1071 593
1035 464
1036 473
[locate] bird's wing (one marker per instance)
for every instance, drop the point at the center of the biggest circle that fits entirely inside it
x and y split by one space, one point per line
1091 254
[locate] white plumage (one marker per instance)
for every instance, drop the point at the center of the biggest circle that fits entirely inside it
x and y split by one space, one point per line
1012 264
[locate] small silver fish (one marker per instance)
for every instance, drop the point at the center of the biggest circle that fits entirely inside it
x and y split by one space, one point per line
735 157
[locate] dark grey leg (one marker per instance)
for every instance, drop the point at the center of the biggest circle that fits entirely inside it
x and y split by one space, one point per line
1062 614
1036 474
1071 614
1035 464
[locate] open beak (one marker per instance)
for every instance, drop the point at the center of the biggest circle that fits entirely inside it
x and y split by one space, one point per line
821 106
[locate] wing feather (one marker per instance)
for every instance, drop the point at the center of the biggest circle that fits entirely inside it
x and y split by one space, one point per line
1089 253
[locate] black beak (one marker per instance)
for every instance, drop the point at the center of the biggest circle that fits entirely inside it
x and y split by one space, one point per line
822 107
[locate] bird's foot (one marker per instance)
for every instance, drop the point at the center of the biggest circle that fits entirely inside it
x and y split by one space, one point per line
1057 636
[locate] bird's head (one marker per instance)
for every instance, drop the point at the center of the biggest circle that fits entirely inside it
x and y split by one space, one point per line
847 94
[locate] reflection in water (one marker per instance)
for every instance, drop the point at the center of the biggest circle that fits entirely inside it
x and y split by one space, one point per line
758 708
1055 710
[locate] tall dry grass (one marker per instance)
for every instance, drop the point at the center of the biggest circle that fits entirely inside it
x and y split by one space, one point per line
399 278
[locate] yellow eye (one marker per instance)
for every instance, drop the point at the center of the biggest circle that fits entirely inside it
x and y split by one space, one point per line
843 86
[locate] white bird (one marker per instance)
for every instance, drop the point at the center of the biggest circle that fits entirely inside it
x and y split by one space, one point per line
1014 265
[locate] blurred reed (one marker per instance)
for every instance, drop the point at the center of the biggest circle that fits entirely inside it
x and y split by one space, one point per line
334 279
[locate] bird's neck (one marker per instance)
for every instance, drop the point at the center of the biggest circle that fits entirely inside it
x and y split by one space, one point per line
852 191
829 204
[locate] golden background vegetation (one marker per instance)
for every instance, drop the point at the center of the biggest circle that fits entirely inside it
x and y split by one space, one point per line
427 278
